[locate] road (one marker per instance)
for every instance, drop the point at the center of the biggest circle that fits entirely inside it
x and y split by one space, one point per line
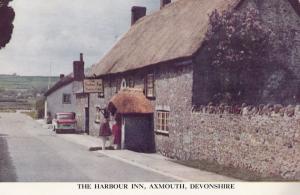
30 153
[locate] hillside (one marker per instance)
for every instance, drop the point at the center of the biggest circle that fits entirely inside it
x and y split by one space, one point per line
23 83
21 92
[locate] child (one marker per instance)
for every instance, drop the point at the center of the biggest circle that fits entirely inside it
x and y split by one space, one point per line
105 131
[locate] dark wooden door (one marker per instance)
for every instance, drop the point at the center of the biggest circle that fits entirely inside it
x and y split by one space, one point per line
86 122
139 133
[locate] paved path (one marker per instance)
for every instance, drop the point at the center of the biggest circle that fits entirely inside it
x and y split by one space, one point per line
29 152
153 162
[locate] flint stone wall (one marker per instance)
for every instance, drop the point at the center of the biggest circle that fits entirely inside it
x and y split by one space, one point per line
263 144
173 90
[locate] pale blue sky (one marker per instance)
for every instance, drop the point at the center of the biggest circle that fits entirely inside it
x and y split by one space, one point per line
55 32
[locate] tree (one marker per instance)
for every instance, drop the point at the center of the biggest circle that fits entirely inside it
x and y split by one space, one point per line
40 107
238 46
7 16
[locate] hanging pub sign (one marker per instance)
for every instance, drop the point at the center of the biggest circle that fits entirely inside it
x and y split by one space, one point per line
93 86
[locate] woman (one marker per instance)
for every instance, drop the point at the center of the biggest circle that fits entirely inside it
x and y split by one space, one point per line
105 131
116 130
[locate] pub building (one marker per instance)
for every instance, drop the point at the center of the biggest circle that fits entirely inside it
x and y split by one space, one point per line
158 78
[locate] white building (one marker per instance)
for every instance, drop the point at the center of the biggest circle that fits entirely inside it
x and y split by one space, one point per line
61 96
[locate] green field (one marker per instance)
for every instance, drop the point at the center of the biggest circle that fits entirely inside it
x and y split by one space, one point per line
10 82
22 92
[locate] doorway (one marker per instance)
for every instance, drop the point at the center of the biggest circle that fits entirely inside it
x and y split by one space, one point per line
139 133
86 121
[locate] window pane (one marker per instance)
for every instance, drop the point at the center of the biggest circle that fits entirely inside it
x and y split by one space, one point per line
162 120
130 83
162 123
123 84
66 99
150 92
118 85
149 85
167 118
158 120
150 82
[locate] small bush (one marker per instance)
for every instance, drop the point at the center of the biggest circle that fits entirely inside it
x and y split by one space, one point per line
40 108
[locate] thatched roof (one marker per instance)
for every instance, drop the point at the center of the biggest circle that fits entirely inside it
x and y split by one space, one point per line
131 101
177 31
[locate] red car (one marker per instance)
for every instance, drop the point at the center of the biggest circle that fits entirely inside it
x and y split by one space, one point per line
64 122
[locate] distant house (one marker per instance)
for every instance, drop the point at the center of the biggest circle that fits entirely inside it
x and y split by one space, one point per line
157 73
61 97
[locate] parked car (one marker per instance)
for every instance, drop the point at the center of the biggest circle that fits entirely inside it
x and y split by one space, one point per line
64 122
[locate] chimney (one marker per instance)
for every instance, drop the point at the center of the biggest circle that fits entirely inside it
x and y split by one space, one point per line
81 57
137 12
163 3
61 76
78 69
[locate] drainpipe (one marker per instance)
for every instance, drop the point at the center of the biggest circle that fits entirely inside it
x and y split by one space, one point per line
88 104
123 134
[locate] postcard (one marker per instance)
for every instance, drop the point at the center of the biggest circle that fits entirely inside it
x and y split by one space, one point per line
149 96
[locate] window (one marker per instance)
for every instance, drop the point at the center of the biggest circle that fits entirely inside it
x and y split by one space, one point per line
101 95
162 121
118 85
149 86
123 84
66 99
97 115
130 82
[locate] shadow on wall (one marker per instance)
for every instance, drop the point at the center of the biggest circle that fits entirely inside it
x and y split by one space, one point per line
245 59
275 84
7 170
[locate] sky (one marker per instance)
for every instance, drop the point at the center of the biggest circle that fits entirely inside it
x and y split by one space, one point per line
49 35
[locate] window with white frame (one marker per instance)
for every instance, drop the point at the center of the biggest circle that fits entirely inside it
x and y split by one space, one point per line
162 121
150 86
123 84
66 99
98 115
